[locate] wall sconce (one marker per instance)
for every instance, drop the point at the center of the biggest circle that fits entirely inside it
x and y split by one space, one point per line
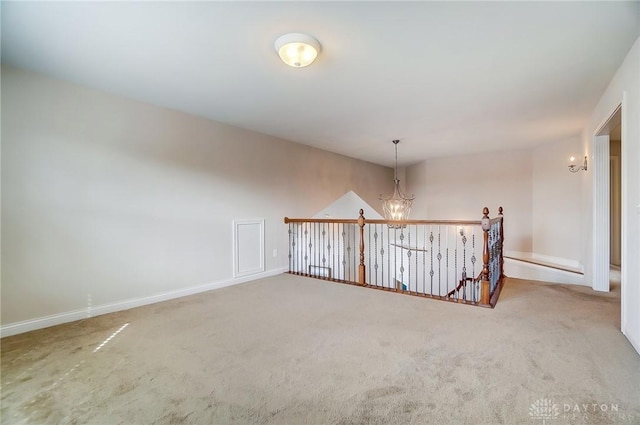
574 168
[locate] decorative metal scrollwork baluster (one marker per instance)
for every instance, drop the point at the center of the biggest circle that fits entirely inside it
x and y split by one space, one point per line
401 258
324 241
417 248
464 265
431 273
342 257
291 247
439 265
307 248
474 297
408 259
375 252
446 250
424 262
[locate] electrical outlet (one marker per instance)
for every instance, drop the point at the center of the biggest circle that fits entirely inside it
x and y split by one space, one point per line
275 252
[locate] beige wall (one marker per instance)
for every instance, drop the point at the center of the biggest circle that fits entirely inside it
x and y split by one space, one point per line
106 199
541 198
557 200
457 188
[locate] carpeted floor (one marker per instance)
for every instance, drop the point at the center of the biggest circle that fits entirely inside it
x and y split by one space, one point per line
291 350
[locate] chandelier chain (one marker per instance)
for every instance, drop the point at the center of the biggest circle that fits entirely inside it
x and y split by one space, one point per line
395 172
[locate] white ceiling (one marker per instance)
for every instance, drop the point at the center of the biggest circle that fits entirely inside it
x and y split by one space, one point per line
445 78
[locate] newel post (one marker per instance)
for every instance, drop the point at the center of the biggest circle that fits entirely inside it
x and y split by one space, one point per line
485 290
500 212
361 268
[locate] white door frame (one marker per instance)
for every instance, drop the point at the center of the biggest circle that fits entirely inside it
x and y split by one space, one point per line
601 212
598 224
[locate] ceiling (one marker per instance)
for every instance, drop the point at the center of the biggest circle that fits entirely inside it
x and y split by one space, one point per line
447 78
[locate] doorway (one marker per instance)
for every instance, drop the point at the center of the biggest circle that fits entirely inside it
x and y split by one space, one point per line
615 195
608 180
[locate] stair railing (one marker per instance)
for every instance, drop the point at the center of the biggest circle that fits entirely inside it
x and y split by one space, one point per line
429 258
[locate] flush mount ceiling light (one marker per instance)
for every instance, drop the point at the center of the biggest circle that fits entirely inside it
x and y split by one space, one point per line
297 50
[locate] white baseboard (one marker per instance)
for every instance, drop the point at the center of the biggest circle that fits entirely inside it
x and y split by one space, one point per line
558 261
528 271
635 343
71 316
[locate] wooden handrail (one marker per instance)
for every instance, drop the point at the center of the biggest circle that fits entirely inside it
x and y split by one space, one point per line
379 221
463 282
408 222
320 220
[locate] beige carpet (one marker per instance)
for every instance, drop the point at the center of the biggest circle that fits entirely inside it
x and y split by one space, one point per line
291 350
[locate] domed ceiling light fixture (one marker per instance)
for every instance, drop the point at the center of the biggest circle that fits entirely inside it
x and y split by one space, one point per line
297 50
397 206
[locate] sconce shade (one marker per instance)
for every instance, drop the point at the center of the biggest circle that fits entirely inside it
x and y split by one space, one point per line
297 50
574 168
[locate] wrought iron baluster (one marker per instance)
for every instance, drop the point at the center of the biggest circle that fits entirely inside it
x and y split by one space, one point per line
375 252
349 240
408 259
455 267
431 257
446 255
290 244
464 265
319 249
306 248
382 279
333 251
336 251
369 269
424 261
324 256
417 251
355 253
395 258
300 246
344 252
351 248
348 269
439 265
312 247
473 265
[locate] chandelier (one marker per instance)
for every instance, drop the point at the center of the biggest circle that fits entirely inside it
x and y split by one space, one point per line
397 206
